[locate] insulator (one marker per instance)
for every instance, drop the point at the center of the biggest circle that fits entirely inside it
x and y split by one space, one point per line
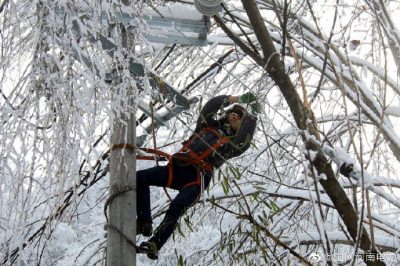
208 7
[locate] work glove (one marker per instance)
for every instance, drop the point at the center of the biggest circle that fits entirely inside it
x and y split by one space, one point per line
255 108
346 169
248 97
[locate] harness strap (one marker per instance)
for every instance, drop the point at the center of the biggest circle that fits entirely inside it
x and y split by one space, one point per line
216 145
159 156
195 161
194 158
156 152
199 135
196 182
199 159
170 174
200 182
150 158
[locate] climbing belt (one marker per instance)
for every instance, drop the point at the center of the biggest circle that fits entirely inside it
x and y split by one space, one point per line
113 196
116 194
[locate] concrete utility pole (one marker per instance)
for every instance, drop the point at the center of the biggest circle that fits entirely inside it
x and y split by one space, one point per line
121 233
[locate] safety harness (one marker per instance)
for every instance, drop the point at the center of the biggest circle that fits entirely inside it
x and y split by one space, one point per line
186 155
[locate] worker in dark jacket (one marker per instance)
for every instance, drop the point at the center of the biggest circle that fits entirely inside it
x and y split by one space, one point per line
190 169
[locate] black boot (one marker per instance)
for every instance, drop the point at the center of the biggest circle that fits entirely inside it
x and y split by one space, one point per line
150 248
144 228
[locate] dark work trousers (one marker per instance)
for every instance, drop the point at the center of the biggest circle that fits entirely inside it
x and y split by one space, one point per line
187 196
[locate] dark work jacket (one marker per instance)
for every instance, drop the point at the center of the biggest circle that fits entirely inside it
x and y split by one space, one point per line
239 141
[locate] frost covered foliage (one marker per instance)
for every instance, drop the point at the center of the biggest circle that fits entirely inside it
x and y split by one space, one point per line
336 100
56 107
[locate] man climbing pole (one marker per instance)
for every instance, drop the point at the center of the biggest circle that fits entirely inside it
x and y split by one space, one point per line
190 169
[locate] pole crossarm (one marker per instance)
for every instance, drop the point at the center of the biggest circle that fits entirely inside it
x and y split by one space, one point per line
188 27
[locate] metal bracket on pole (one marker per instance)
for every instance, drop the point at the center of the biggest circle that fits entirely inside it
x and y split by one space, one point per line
186 27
